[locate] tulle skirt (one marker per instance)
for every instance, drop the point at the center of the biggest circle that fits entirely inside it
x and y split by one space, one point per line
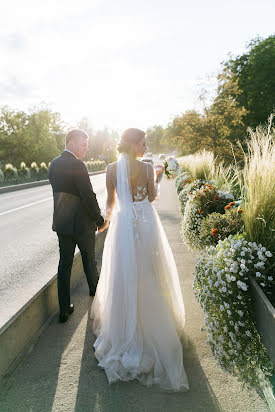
138 311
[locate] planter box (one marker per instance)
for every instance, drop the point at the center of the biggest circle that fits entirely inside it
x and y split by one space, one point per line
265 323
265 319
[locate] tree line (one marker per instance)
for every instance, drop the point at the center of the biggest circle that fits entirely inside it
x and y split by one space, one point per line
245 97
39 136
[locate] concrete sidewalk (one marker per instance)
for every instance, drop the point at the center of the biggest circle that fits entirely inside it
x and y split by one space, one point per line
60 373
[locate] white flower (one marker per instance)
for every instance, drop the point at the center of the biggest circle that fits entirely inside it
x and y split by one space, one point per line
221 307
258 274
226 305
268 253
242 254
247 332
240 312
228 312
270 278
262 284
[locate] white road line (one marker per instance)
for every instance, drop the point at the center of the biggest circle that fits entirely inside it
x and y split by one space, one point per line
23 207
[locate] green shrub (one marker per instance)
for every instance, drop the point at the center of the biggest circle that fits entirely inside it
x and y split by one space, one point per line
187 190
217 226
181 180
10 172
43 171
200 204
24 171
34 170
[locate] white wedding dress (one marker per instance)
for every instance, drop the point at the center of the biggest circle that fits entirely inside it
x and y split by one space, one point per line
138 311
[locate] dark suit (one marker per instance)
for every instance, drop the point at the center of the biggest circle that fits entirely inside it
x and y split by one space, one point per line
76 216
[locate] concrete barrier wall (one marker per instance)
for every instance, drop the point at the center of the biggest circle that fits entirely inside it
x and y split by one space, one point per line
23 329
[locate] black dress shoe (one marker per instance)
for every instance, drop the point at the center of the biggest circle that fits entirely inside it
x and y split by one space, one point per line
71 308
63 317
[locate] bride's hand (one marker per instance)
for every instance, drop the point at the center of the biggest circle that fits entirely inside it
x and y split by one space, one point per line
159 170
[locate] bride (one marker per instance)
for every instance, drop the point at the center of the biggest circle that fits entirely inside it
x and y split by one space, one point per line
138 311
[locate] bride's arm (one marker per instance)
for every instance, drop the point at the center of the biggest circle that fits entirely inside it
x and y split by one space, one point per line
111 199
153 186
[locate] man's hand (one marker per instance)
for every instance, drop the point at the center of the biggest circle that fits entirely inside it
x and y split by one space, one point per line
104 226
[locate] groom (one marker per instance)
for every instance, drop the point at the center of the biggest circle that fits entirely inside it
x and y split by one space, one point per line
76 216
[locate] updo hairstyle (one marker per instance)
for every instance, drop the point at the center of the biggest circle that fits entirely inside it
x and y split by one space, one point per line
129 137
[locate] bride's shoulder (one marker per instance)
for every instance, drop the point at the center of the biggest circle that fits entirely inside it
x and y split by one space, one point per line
112 166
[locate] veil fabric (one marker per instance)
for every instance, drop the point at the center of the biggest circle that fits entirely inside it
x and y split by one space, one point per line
138 311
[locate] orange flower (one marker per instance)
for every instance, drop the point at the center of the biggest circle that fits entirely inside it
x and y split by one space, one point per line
214 232
227 207
240 210
187 181
200 211
191 193
231 203
217 197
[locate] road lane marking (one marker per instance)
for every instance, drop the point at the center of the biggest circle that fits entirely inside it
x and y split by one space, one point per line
23 207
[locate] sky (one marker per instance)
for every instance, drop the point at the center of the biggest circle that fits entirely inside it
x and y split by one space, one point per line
121 63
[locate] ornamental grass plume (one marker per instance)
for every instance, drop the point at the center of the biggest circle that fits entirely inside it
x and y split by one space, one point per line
259 181
200 165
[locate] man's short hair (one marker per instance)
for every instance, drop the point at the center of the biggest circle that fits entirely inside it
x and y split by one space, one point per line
74 133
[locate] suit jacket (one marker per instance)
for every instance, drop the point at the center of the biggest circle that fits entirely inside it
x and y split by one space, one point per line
76 210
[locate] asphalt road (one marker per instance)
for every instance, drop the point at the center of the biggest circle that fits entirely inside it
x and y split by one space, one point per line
28 246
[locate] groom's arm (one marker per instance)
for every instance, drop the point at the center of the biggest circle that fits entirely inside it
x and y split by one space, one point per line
87 194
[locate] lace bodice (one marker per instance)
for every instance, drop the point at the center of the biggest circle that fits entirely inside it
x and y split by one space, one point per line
143 184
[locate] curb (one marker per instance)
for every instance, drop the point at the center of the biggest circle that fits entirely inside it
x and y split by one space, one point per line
23 329
13 188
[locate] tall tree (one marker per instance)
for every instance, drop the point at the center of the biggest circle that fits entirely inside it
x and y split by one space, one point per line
255 72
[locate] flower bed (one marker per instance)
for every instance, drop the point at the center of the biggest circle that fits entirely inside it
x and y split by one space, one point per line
222 289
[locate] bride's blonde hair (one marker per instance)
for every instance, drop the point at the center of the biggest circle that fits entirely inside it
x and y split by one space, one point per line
129 137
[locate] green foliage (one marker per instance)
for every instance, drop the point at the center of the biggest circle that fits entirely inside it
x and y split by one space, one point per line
24 171
95 165
217 226
200 204
254 72
102 143
187 191
222 288
259 183
156 140
29 136
10 172
200 165
43 171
